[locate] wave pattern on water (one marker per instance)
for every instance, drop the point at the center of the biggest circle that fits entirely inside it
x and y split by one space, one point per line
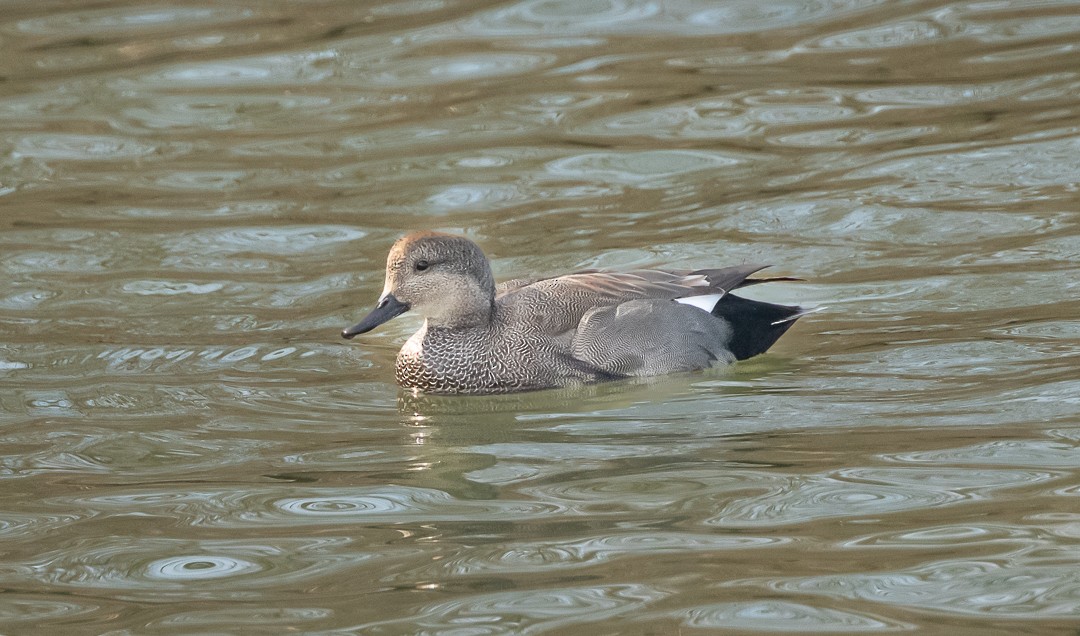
194 200
1021 588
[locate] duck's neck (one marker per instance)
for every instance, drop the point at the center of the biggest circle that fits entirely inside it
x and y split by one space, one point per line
479 317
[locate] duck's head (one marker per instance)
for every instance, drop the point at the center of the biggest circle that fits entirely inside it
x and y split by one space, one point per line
444 278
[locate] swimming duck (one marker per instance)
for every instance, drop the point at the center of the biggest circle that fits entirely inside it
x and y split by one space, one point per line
584 327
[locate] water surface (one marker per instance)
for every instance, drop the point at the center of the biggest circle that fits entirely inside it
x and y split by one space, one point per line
194 200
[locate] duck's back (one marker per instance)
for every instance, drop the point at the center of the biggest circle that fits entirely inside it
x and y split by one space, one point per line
556 305
627 323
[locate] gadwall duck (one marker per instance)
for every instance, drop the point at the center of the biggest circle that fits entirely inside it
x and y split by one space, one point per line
528 334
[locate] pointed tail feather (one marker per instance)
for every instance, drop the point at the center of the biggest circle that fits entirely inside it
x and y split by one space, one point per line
755 325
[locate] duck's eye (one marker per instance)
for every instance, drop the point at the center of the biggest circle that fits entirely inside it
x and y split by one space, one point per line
422 265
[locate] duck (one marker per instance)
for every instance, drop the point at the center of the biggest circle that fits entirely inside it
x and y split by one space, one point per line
528 334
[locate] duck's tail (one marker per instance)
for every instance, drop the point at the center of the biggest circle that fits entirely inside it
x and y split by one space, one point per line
756 325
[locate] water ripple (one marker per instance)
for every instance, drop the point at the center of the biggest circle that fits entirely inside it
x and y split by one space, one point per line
170 288
259 508
193 569
784 616
704 120
1065 525
58 260
545 556
810 498
684 489
785 499
272 616
29 299
225 112
1026 588
95 22
104 451
476 196
17 525
948 537
1015 173
1042 453
868 491
199 568
92 148
1068 434
27 610
871 224
294 68
644 169
687 17
525 612
852 136
269 240
447 68
995 23
395 504
950 94
904 33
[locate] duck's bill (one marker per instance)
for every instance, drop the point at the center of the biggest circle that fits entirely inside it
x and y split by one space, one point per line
388 308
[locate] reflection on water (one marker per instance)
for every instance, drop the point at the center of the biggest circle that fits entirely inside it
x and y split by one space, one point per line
194 200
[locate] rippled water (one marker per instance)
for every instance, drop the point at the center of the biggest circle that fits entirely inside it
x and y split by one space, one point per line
195 199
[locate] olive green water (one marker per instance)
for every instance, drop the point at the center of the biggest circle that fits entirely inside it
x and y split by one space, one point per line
195 199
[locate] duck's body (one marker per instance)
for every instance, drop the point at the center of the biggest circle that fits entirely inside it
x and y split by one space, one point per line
578 328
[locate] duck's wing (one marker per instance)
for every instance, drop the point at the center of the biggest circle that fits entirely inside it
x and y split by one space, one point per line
651 337
557 304
729 278
613 287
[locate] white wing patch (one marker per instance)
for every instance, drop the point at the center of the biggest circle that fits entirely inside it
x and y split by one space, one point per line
706 301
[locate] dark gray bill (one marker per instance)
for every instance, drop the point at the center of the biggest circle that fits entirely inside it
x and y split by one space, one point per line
387 308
